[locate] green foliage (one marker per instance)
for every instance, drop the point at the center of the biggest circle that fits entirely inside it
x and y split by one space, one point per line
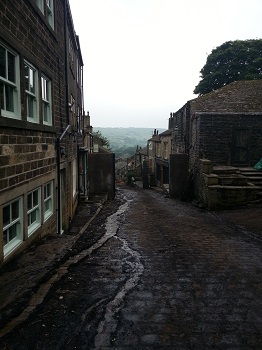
124 152
124 141
100 139
231 61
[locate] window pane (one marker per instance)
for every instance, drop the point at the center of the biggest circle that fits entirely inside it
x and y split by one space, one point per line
13 232
47 191
2 62
46 112
6 215
32 80
33 216
5 237
2 105
35 198
9 96
29 201
44 88
26 77
46 206
15 210
30 106
11 67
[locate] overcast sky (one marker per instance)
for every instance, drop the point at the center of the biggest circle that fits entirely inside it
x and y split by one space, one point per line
142 58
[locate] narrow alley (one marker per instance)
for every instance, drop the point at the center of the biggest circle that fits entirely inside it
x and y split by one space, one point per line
151 273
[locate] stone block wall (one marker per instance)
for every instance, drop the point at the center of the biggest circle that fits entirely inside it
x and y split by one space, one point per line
24 156
212 136
224 190
28 152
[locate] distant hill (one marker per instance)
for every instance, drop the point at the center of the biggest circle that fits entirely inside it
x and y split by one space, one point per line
123 141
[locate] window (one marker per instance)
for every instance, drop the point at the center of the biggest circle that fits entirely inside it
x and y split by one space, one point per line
9 83
46 100
165 150
31 93
77 71
78 116
12 225
47 8
71 52
48 200
33 211
74 177
40 4
72 111
50 12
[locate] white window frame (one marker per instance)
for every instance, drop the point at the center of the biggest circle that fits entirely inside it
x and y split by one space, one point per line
34 211
15 223
71 52
14 86
32 93
48 200
40 5
74 177
50 12
46 100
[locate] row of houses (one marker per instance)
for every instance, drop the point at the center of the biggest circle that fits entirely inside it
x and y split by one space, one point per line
210 148
45 134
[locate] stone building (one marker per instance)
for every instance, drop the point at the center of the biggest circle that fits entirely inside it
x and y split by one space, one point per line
223 127
211 146
161 144
41 122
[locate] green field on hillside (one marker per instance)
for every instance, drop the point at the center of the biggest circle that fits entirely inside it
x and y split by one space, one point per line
124 141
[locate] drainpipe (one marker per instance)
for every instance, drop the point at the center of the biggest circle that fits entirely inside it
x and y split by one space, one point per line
58 186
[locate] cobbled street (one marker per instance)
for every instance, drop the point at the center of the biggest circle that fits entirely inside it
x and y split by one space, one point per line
152 273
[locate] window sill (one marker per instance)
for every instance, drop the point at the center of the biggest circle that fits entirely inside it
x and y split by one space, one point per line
22 124
47 215
11 246
33 228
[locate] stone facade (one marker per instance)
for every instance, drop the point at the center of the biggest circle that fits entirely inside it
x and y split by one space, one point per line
223 126
41 121
223 187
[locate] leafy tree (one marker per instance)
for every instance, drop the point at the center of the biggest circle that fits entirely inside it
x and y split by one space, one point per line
231 61
100 139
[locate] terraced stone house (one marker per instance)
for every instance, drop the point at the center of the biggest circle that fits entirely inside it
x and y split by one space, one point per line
41 122
211 146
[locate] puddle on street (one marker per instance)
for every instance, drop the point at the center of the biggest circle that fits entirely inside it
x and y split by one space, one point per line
108 325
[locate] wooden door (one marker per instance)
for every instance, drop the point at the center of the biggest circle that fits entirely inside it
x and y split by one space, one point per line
240 143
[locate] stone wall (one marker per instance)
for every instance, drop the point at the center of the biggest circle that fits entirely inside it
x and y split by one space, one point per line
28 152
224 187
212 136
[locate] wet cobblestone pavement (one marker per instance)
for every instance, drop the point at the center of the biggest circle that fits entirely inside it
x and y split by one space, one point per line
152 273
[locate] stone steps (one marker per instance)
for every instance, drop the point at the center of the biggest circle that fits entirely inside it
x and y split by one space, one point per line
254 176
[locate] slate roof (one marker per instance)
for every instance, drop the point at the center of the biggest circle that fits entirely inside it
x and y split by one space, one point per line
166 133
239 96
